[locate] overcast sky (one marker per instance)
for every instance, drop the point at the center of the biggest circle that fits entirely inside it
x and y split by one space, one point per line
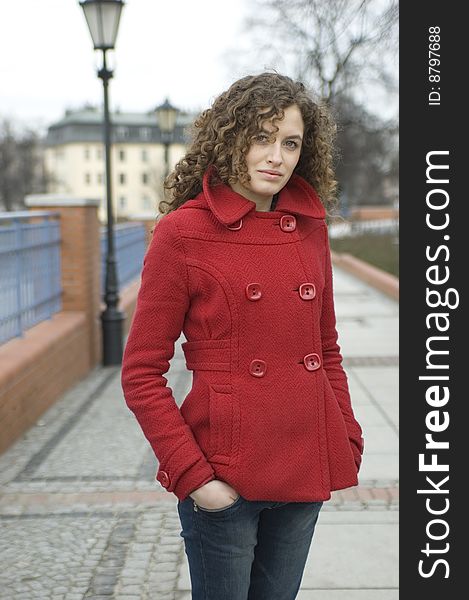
175 49
47 62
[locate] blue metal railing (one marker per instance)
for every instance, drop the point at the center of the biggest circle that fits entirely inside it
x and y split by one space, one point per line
30 270
30 266
130 246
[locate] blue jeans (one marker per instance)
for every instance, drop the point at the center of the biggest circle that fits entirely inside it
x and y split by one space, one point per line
250 550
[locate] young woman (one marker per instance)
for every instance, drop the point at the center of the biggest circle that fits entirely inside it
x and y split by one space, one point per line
240 263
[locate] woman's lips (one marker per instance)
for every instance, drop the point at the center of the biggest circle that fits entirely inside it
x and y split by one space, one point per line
268 175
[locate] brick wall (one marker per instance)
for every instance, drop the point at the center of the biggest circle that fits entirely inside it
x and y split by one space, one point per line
36 369
367 213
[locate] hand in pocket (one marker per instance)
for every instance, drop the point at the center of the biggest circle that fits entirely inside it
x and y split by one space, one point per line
215 495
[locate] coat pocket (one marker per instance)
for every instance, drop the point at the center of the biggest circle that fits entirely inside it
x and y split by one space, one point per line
222 415
342 466
219 510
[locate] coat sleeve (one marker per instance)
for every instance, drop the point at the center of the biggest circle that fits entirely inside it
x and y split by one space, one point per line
332 361
162 303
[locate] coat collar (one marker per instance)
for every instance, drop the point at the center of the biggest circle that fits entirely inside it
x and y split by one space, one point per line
298 197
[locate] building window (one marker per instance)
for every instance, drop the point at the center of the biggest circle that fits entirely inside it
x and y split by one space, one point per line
87 178
122 178
145 178
87 153
146 203
122 202
99 153
144 155
145 133
122 133
56 136
122 155
100 178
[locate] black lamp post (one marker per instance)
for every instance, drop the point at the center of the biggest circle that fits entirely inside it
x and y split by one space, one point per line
103 18
167 115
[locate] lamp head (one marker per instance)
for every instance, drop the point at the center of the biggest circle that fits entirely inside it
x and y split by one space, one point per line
103 18
167 115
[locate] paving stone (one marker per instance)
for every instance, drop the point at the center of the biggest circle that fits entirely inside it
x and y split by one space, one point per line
130 572
168 567
103 590
131 589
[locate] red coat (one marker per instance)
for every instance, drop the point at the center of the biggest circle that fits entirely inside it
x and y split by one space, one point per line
269 410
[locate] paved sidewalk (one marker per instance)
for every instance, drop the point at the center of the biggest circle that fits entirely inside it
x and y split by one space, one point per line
81 515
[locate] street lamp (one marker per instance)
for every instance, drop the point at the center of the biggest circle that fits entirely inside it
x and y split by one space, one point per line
103 18
167 115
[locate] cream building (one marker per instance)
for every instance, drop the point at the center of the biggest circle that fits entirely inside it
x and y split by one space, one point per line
74 158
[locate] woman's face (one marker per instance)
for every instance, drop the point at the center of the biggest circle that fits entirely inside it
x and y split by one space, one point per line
271 162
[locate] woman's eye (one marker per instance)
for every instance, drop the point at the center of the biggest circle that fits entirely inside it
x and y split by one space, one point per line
264 138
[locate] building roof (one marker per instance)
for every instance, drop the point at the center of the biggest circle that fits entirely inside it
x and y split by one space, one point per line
86 125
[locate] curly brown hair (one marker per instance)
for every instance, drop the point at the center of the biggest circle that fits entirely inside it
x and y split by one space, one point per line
222 135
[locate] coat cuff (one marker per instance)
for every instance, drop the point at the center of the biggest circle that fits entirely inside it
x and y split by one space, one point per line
195 477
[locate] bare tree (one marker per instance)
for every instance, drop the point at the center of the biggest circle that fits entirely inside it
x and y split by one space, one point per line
368 161
21 165
338 46
8 165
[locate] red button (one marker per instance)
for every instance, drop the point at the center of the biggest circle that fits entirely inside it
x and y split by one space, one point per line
312 362
288 223
257 368
235 227
253 291
307 291
163 478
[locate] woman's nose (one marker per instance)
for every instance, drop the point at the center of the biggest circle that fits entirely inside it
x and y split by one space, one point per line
275 153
